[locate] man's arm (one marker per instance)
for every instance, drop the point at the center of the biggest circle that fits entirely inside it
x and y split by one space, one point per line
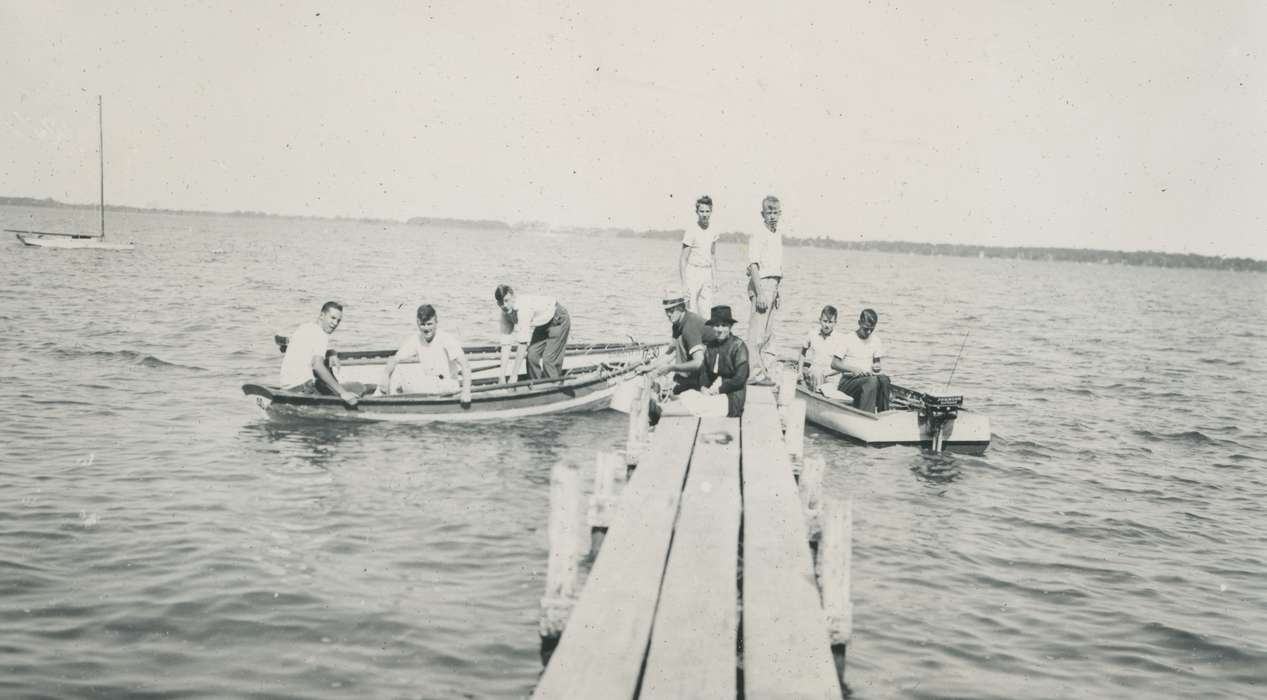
842 364
402 353
740 378
319 366
692 364
681 264
465 366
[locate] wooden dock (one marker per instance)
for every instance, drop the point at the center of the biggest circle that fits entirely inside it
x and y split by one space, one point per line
705 584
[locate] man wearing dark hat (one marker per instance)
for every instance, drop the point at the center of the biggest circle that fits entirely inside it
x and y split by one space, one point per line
723 377
687 348
857 358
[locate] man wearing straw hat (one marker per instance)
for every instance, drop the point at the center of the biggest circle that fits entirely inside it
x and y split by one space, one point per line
686 352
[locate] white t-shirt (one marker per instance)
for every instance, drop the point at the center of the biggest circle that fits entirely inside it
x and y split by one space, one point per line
700 241
766 250
819 350
436 359
306 342
857 353
532 311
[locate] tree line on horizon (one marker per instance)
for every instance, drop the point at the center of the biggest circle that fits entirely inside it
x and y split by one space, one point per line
1083 255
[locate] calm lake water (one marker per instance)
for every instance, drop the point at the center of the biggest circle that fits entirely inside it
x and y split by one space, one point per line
160 537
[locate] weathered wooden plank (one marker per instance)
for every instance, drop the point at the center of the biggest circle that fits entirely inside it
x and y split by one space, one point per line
693 641
602 649
787 653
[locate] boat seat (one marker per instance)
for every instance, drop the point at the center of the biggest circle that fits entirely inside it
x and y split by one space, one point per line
834 394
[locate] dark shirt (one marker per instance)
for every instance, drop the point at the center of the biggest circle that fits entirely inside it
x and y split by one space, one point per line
728 360
688 332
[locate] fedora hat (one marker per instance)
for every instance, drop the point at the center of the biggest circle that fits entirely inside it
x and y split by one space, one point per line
720 316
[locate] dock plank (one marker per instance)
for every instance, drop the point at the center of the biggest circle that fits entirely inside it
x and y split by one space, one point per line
787 652
601 652
693 641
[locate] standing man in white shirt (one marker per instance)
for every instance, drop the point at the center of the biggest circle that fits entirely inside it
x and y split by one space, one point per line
304 368
765 274
539 325
695 263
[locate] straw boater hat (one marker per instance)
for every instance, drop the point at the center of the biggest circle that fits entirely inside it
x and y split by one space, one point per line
672 297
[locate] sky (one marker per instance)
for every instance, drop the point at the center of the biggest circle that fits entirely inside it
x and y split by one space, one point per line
1133 125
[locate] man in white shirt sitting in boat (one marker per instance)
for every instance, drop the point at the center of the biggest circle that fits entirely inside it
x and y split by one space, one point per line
539 325
857 358
695 263
818 349
304 367
440 360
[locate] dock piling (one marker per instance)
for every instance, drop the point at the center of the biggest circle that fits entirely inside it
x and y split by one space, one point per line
603 501
639 425
795 433
811 487
562 565
836 557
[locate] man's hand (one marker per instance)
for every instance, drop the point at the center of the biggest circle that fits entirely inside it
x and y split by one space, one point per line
349 398
466 398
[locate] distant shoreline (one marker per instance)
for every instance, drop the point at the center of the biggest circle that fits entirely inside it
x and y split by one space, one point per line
1084 255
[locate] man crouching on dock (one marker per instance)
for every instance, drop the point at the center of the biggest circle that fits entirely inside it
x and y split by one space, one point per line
723 377
304 368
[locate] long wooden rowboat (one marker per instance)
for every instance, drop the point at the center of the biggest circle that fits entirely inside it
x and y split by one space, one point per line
366 366
588 388
934 422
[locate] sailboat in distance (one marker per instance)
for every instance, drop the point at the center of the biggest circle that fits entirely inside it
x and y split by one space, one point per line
48 239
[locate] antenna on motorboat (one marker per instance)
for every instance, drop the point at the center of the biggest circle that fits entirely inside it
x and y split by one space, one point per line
956 365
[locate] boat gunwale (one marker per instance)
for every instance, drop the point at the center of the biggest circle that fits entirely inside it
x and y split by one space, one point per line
582 378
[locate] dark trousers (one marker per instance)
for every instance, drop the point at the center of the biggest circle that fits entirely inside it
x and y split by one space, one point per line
870 393
549 345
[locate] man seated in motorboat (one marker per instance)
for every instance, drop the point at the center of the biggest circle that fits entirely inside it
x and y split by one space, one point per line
685 354
857 357
817 350
304 366
441 360
723 375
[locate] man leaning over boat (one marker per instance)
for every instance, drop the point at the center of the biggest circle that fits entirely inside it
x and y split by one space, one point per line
539 325
440 357
304 366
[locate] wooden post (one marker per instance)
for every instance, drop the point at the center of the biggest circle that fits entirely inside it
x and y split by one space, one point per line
787 386
561 568
603 502
811 487
639 425
795 435
837 560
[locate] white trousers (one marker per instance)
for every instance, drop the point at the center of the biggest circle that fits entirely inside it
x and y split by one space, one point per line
704 406
699 289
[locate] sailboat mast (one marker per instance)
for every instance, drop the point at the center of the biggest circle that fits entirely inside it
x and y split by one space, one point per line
101 162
